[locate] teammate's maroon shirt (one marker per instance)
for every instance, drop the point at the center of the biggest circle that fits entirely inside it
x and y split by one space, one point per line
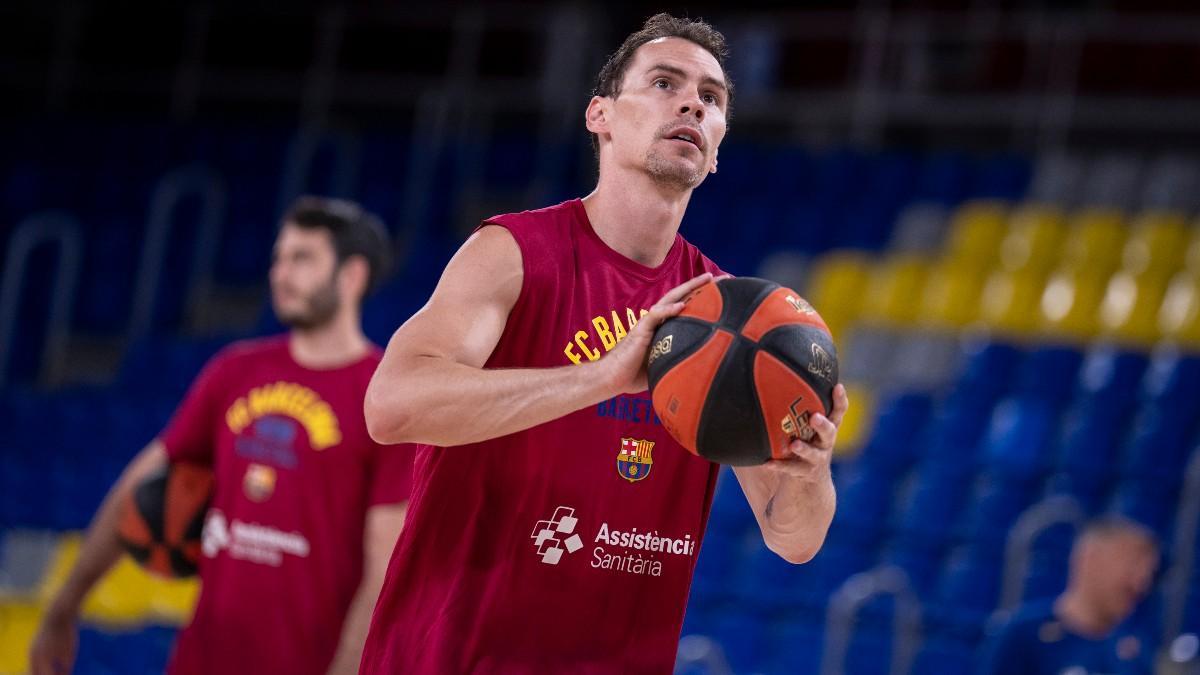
295 472
568 547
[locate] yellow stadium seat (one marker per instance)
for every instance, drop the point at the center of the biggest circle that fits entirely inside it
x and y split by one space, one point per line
836 286
1179 316
1010 301
1157 243
857 423
126 595
1129 311
1034 239
1070 303
1191 259
976 230
172 601
18 624
951 296
1094 240
60 565
893 291
122 597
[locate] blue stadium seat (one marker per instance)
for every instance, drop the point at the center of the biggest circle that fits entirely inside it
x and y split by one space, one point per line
1018 441
988 371
1049 373
1002 177
1158 447
936 495
893 448
943 656
944 178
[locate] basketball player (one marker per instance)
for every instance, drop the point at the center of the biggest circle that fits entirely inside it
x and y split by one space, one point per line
306 507
1112 568
526 549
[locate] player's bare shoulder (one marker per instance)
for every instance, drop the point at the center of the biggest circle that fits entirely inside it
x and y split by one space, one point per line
487 267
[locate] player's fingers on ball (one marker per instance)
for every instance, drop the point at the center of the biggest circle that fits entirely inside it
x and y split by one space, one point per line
841 403
680 292
826 431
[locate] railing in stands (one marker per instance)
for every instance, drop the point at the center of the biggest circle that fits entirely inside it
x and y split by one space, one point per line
172 189
1051 511
49 227
907 628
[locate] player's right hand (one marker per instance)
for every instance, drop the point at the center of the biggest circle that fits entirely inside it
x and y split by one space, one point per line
625 365
54 646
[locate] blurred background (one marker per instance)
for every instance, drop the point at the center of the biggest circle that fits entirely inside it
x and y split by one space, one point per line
991 202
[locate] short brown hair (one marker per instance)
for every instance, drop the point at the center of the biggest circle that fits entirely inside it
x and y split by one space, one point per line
608 82
354 230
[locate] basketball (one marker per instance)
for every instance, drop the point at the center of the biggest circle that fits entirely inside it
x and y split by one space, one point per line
736 375
161 522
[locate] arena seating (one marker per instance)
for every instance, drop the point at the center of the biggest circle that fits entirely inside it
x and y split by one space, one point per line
1010 330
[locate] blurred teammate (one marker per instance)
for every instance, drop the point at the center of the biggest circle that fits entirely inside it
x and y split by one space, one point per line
527 548
306 507
1111 569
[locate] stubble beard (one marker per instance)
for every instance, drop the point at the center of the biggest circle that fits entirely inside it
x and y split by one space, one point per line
672 172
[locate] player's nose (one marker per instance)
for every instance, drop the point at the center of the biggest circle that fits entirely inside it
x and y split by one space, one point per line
693 106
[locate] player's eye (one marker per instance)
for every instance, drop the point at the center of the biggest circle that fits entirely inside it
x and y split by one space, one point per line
662 83
711 99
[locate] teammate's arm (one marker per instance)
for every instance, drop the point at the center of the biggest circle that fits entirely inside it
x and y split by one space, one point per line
431 386
383 525
53 649
793 499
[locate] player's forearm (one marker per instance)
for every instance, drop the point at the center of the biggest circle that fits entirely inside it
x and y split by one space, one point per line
797 516
437 401
101 548
354 632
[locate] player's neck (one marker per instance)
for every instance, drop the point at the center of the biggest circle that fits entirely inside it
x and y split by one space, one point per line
1071 609
636 217
337 343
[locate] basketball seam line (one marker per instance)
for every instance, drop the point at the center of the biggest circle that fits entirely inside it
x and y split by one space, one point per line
727 365
727 306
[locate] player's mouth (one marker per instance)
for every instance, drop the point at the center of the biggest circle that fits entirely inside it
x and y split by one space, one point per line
686 134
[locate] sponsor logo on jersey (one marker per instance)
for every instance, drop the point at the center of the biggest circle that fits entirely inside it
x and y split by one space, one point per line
259 482
625 551
289 400
635 460
552 537
261 544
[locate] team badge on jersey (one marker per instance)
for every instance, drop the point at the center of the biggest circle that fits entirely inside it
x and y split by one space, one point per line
259 482
634 461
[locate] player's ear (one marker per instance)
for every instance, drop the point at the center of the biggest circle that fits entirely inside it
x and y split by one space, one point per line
713 168
596 115
355 272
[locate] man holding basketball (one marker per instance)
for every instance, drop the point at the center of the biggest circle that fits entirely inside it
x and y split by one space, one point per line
306 507
527 548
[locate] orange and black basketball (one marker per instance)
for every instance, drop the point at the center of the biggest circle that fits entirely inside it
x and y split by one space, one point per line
735 376
162 520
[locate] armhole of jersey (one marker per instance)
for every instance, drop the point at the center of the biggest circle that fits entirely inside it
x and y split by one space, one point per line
523 248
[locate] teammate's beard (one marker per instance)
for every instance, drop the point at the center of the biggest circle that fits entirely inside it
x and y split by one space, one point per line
320 308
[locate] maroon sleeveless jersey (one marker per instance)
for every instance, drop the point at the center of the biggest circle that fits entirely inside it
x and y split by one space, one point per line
570 546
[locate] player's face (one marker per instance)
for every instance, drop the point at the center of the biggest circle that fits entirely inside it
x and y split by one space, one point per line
304 291
1119 572
669 117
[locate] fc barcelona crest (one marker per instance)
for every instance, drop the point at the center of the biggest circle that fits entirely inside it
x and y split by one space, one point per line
634 461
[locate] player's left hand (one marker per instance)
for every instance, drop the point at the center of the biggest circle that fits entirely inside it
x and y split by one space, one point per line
811 459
